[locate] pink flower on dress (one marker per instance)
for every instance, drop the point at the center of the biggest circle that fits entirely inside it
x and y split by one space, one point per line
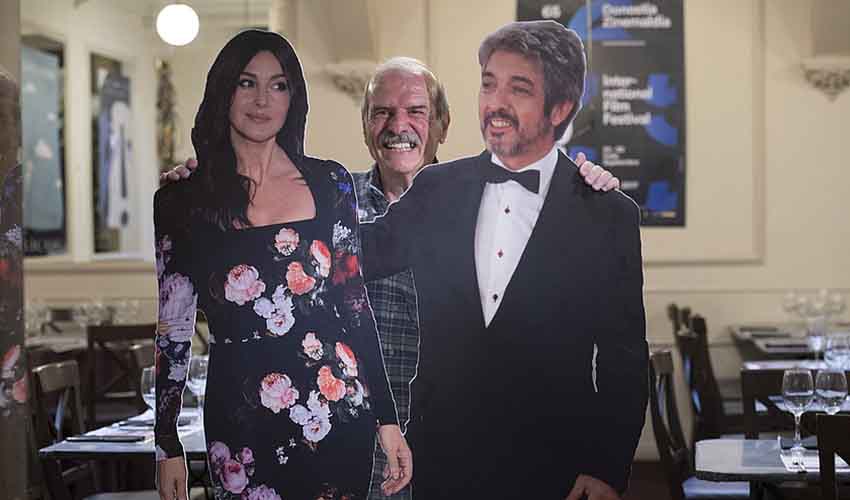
264 307
219 453
243 284
322 255
300 415
346 355
177 300
246 456
316 429
312 346
318 407
281 322
297 280
277 393
261 492
286 241
233 476
11 357
19 390
332 388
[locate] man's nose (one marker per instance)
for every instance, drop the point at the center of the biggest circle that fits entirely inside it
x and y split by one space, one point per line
399 123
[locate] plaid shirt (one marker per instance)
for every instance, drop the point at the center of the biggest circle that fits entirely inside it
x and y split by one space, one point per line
393 301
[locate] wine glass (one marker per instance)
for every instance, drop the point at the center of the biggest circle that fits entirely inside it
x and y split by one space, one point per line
798 392
197 380
148 387
837 352
831 390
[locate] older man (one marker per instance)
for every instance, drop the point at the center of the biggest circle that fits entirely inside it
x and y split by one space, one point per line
533 359
405 117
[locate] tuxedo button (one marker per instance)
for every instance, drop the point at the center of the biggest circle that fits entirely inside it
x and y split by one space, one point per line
495 297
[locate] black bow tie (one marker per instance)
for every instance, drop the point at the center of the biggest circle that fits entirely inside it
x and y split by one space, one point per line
530 179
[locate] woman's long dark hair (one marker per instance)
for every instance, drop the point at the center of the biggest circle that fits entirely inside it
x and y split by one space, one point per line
224 194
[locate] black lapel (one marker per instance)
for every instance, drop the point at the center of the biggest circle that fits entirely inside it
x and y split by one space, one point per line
471 184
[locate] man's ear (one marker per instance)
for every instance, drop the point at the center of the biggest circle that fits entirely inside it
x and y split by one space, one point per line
560 112
443 128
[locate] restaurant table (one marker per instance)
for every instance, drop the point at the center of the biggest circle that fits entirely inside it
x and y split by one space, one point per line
191 435
753 460
771 341
779 340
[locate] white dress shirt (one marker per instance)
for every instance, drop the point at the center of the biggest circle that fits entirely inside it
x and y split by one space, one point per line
506 218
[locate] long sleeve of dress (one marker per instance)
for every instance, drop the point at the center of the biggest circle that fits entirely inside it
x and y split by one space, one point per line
175 323
355 304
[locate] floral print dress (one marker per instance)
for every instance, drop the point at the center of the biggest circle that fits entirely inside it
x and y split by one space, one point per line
296 382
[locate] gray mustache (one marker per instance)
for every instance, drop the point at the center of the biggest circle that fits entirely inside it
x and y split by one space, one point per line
389 139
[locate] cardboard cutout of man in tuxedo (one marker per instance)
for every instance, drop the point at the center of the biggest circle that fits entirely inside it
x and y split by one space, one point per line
533 361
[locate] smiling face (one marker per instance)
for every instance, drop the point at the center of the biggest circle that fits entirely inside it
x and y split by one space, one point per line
398 123
514 124
261 100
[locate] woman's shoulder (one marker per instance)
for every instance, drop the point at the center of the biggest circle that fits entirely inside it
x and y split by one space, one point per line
174 194
330 171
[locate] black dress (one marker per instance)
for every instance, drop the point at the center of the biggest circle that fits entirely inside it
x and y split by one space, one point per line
296 381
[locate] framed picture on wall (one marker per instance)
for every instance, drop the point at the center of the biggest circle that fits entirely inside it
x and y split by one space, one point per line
112 156
43 146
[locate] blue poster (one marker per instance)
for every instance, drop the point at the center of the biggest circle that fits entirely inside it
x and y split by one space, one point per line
43 181
633 111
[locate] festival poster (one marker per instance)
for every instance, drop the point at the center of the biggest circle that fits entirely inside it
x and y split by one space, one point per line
633 112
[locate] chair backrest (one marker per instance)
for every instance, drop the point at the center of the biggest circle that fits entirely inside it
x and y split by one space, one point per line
761 414
59 382
113 341
669 438
706 401
674 317
833 439
685 315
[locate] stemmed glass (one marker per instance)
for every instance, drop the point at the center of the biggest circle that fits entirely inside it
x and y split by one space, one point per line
148 387
798 392
837 352
831 390
197 380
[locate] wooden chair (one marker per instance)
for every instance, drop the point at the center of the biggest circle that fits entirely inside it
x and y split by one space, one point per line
833 439
61 382
120 396
713 417
675 454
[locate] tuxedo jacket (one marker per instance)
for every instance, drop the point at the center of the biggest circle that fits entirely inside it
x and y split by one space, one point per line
556 385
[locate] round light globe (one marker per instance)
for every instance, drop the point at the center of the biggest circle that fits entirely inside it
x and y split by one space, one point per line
177 24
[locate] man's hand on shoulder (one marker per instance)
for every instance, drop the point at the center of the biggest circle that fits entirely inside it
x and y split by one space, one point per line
592 489
180 171
596 176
